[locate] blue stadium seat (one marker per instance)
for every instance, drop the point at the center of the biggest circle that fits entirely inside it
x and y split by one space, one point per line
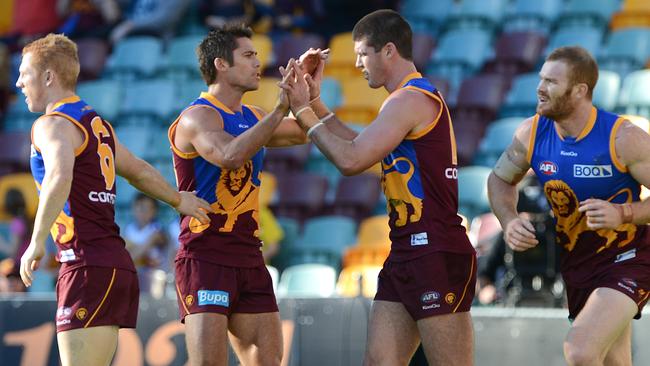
18 117
159 150
124 195
331 93
498 137
588 12
426 18
134 58
317 163
532 16
607 89
521 100
634 97
333 233
472 191
187 92
149 102
588 37
181 62
307 281
291 229
626 50
136 138
105 96
454 62
477 14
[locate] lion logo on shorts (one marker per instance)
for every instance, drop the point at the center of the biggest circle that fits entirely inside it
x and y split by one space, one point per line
81 313
236 194
398 196
571 223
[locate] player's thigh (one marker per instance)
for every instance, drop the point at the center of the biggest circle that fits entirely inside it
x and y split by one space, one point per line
206 338
599 324
392 335
448 339
94 346
256 338
620 353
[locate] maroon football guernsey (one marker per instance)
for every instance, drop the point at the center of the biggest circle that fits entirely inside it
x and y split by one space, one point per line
420 182
85 231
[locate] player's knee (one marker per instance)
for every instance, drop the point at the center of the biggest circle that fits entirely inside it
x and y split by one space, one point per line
269 359
381 359
580 354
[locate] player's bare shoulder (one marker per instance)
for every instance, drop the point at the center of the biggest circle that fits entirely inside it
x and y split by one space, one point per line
515 160
199 118
631 143
414 107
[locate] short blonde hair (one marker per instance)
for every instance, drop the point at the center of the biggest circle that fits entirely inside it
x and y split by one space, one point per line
58 53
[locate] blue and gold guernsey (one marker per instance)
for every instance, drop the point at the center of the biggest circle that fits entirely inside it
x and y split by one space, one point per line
572 170
420 182
231 238
85 231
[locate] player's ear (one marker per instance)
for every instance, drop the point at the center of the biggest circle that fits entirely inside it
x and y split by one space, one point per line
221 64
389 49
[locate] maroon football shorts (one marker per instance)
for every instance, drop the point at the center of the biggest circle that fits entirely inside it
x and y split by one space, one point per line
632 279
205 287
435 284
97 296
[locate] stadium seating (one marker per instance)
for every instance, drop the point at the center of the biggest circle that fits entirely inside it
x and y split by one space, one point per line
294 45
342 59
635 13
472 191
187 92
264 47
18 117
532 16
516 53
606 92
521 100
634 97
181 61
454 62
588 12
284 159
307 280
374 232
479 14
15 151
93 53
588 37
426 18
135 58
330 93
357 196
423 44
498 137
266 96
105 96
324 240
149 103
360 102
626 50
301 195
358 280
24 182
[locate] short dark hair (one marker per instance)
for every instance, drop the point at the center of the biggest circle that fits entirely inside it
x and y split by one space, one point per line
582 65
219 43
383 26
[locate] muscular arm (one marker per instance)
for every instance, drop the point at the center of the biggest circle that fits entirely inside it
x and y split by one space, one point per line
633 150
288 132
145 178
201 130
334 125
394 122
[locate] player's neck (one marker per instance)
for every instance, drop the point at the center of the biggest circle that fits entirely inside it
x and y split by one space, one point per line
575 123
55 96
400 70
229 96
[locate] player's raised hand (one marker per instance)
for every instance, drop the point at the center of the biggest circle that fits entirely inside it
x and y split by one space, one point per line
313 63
191 205
519 234
601 214
30 261
295 86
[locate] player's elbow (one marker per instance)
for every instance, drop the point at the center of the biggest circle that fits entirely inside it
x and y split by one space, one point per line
350 168
231 162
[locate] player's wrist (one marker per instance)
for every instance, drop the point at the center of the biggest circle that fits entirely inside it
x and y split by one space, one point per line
176 201
625 212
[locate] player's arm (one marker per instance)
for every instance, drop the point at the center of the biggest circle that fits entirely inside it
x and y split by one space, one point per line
57 139
375 142
509 170
288 132
148 180
632 148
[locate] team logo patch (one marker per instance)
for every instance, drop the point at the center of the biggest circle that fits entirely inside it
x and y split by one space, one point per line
429 297
81 313
592 171
548 167
209 297
189 300
450 298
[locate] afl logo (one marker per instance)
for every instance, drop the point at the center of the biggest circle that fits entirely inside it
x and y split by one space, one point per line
548 167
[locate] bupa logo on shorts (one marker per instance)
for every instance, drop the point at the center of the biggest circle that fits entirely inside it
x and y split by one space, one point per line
63 312
429 297
208 297
592 171
419 239
548 167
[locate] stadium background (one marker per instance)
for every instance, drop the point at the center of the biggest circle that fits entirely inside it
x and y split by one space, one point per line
483 55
